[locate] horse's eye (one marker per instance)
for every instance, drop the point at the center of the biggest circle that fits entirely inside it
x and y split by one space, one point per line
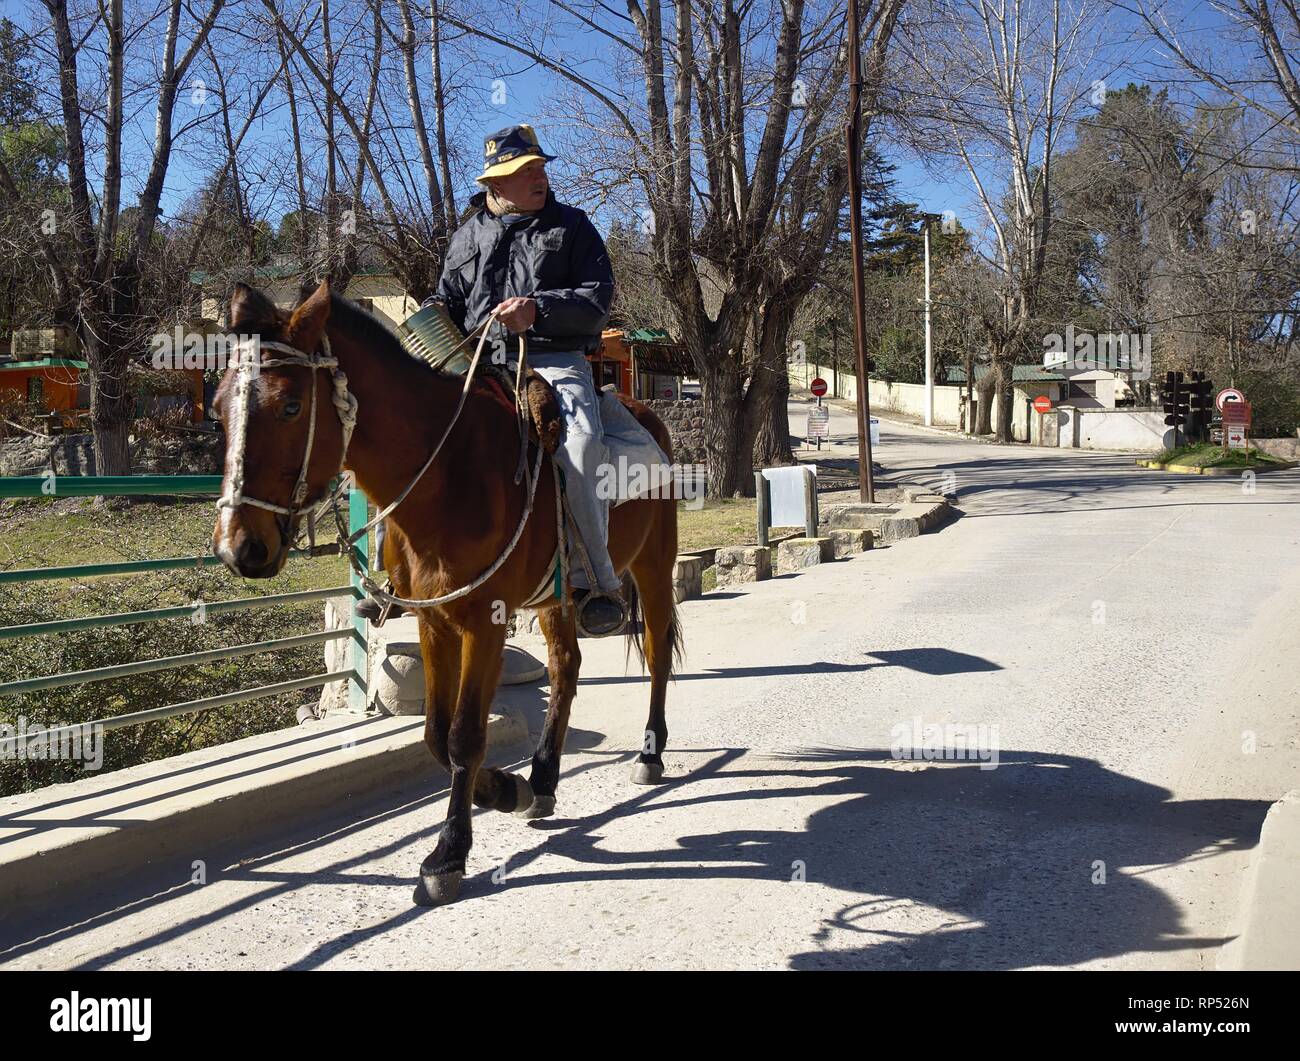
291 409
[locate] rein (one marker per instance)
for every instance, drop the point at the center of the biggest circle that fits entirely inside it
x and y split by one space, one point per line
346 406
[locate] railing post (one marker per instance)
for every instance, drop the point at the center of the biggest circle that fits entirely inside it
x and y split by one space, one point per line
358 514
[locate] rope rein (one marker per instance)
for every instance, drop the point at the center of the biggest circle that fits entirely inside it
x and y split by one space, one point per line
346 406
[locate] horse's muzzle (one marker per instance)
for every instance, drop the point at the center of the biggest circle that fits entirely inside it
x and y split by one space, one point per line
249 558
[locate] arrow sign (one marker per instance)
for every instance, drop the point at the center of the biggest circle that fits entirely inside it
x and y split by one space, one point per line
1228 394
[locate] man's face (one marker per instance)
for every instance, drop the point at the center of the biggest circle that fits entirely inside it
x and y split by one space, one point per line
526 188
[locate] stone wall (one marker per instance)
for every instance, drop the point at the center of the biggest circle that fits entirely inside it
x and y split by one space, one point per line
182 453
685 423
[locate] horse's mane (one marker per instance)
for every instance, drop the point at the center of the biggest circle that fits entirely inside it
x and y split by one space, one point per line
368 329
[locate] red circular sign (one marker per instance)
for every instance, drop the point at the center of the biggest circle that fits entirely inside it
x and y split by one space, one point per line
1228 394
1043 404
818 387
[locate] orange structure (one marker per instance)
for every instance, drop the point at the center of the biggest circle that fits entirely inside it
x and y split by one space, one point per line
641 363
612 362
52 384
61 385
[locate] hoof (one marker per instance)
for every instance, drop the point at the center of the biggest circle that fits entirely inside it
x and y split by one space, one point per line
647 774
437 889
523 795
542 807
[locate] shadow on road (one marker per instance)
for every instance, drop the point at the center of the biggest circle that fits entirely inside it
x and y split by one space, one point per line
1012 855
923 660
1000 867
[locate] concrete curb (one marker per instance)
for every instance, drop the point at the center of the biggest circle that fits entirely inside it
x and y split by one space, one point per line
83 834
1223 473
913 520
1268 920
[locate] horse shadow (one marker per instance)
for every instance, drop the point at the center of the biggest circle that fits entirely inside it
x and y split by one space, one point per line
1043 861
1047 860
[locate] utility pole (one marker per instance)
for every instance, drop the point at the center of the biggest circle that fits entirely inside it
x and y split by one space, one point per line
853 126
929 351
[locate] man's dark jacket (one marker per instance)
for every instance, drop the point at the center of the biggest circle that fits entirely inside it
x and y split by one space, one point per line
554 256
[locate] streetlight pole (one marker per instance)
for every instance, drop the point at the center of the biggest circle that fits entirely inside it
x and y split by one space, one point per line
866 484
929 350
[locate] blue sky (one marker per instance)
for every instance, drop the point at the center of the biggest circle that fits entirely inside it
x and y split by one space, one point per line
530 90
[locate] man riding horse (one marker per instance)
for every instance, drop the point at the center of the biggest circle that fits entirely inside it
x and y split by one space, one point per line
542 267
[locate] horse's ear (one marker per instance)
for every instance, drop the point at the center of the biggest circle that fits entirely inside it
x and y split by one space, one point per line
250 306
307 324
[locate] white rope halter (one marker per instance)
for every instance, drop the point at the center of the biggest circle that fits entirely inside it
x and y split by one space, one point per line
345 404
249 364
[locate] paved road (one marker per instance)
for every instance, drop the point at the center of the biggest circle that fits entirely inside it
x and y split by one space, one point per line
1121 629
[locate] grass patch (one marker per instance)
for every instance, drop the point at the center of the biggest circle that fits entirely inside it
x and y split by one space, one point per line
1211 455
65 531
722 521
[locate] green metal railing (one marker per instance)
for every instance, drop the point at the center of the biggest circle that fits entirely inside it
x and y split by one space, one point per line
153 485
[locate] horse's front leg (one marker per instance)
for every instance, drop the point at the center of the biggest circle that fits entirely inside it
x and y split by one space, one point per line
441 873
563 663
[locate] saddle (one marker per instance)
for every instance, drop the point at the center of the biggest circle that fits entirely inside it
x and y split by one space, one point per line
545 422
431 336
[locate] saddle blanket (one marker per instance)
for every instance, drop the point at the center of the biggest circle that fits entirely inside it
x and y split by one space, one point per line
636 467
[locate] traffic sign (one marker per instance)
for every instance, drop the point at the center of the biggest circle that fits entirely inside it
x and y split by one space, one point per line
1228 394
1237 438
818 387
1043 404
1236 413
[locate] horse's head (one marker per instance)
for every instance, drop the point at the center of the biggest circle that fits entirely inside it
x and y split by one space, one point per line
284 432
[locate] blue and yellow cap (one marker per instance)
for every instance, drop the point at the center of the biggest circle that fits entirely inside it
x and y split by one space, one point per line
510 149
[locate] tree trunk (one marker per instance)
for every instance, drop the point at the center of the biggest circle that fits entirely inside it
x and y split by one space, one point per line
769 395
985 388
1002 370
111 401
723 424
772 439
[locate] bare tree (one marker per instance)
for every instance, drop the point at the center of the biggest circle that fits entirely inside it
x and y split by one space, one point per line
1267 81
1001 78
409 223
96 282
730 146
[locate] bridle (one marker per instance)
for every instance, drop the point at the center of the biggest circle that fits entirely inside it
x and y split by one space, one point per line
346 405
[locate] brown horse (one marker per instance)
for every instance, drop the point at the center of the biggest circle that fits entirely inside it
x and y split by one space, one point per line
454 524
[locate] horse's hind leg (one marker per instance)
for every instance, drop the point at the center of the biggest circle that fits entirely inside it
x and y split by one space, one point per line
652 569
563 661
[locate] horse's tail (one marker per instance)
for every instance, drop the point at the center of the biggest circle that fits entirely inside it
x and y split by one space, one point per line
636 627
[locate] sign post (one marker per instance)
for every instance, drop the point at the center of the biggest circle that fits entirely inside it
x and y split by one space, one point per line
1236 424
1042 406
819 419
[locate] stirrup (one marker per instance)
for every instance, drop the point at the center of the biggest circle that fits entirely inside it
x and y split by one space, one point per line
583 596
375 612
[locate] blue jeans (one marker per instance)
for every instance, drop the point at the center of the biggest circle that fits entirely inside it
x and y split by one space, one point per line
581 453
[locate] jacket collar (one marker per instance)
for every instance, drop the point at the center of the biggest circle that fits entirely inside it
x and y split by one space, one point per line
478 207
